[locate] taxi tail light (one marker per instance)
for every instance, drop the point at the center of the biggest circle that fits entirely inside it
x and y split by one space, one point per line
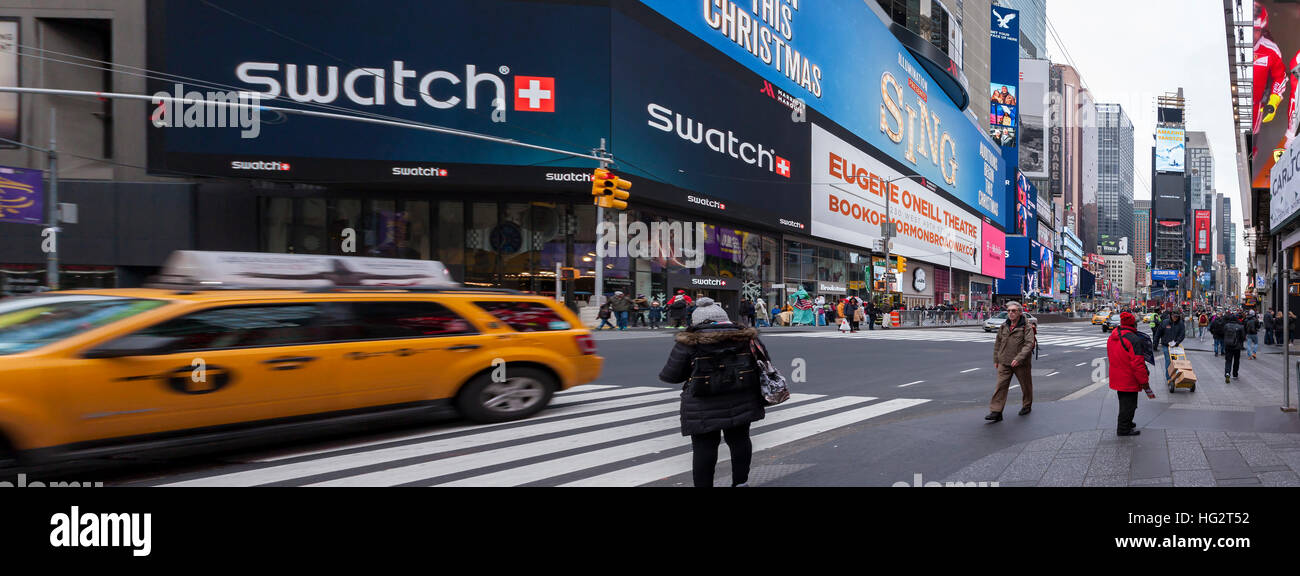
586 344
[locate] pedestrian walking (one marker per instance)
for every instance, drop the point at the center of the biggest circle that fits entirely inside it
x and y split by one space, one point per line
1011 353
1234 336
1268 327
1128 371
1252 334
851 314
604 315
1170 333
761 308
677 307
1277 328
640 307
1216 331
747 312
656 314
1202 322
621 305
721 397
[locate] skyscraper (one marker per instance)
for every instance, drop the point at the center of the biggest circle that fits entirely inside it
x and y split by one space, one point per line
1114 181
1142 244
1200 169
1223 209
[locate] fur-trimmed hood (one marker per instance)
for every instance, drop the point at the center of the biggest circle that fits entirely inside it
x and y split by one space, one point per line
715 335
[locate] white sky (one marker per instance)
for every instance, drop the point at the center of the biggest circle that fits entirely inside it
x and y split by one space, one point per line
1131 51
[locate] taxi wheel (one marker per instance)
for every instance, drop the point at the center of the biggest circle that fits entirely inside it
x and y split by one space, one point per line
524 393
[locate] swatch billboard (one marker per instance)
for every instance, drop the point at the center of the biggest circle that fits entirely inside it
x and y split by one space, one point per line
491 72
839 58
994 262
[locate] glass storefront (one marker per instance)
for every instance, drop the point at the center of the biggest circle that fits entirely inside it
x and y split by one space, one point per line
26 278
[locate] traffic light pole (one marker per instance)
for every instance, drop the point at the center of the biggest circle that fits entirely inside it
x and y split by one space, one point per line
600 219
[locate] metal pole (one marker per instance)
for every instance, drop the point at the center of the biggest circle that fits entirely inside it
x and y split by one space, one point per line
52 257
1286 341
600 219
559 295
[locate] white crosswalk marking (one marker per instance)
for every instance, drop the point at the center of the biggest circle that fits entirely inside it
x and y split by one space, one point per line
652 471
569 439
952 335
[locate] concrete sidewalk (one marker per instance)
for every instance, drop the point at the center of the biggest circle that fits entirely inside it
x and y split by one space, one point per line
1224 434
639 332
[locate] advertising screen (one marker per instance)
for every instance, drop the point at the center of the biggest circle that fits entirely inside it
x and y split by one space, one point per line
9 104
848 205
22 198
1166 275
487 74
1018 251
838 58
1033 125
1013 284
1004 77
1284 187
1170 150
1046 269
993 262
700 131
1170 197
1202 241
1275 85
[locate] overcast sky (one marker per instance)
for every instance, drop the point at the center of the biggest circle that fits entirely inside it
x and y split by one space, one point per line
1130 51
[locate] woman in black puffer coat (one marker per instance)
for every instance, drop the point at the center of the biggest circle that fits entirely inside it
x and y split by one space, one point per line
708 415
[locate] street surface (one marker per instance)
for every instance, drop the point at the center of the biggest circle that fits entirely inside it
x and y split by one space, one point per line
623 429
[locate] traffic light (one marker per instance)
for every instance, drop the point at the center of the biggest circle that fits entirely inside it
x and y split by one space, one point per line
609 190
902 265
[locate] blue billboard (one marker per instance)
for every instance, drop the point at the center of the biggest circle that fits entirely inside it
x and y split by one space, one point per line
838 58
1012 285
1166 275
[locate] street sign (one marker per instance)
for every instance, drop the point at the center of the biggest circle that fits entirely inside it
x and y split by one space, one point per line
888 229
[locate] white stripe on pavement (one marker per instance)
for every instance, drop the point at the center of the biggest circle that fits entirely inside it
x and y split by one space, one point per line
358 459
1014 387
578 462
651 471
1053 373
1080 364
971 370
910 383
550 413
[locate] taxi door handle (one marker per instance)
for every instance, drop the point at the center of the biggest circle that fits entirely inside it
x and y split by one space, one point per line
465 347
289 362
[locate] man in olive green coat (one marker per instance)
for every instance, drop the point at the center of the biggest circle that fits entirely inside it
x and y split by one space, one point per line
1011 354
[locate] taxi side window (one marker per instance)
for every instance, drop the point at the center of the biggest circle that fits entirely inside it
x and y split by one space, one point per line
247 327
385 320
526 316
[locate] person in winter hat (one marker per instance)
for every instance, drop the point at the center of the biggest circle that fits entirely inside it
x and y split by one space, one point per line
721 394
1125 350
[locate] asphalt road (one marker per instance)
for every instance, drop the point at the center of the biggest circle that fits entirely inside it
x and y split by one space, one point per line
934 364
622 430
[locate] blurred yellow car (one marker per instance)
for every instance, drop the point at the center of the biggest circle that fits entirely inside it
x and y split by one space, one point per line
124 367
1100 317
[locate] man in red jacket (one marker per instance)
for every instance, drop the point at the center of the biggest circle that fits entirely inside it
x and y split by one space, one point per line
1128 370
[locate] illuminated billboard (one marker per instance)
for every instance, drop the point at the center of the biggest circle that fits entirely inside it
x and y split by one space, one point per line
1202 239
1170 150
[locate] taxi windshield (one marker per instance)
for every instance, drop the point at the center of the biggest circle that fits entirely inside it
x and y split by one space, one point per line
29 323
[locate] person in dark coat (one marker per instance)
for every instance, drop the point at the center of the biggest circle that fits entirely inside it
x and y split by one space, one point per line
851 313
727 413
1170 333
747 312
1128 370
677 307
1234 337
1268 327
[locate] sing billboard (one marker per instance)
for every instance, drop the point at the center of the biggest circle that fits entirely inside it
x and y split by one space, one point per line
1171 150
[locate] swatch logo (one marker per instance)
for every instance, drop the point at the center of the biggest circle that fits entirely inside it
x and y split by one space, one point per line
271 166
706 202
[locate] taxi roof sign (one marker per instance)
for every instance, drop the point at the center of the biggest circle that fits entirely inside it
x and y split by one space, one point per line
251 270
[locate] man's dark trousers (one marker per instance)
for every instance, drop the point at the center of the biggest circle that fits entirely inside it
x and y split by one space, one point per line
1231 361
1128 405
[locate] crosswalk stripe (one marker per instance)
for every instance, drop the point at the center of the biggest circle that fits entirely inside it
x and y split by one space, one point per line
562 400
675 465
636 395
579 462
431 446
585 388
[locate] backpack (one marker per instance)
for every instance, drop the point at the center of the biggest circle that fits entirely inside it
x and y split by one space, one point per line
1139 342
1216 327
677 304
1252 327
723 372
1233 335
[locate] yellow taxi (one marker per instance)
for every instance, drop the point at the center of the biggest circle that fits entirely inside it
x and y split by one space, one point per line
119 368
1101 316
